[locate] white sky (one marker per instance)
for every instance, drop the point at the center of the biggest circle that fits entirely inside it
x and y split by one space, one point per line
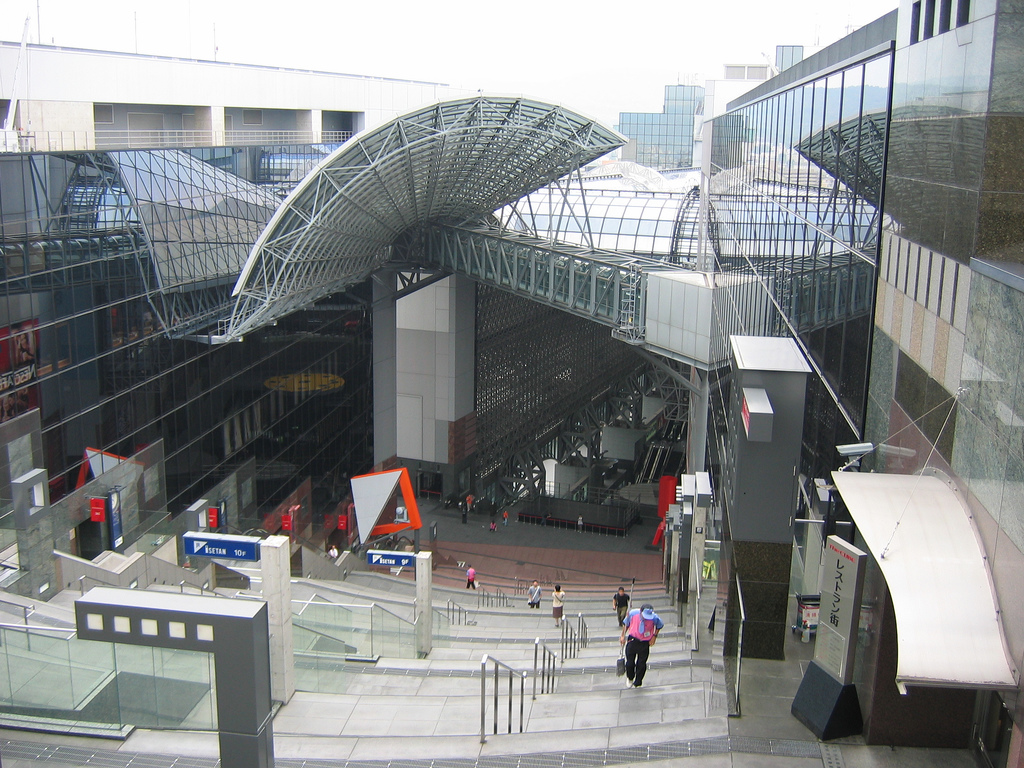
599 58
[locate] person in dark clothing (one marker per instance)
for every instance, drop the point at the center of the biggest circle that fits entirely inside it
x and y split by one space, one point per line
620 602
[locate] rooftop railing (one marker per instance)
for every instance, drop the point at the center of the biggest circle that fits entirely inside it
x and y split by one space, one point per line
84 141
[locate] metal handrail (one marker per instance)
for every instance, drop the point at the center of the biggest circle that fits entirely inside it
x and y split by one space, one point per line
583 631
739 643
456 613
546 671
83 577
495 599
203 589
69 633
376 632
483 695
570 642
26 611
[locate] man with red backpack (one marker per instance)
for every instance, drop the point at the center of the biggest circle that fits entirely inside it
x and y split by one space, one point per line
639 631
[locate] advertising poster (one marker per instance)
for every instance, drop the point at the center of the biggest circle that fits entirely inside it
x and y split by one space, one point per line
19 349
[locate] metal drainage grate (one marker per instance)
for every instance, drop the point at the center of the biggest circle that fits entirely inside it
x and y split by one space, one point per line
832 756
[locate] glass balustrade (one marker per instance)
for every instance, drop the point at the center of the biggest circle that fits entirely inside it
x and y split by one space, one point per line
52 675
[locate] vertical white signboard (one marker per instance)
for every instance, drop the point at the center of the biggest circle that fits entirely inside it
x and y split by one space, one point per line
842 584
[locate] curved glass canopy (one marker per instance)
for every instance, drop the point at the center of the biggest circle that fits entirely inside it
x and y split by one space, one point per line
451 162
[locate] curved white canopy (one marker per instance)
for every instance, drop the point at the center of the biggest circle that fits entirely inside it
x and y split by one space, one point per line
453 161
947 619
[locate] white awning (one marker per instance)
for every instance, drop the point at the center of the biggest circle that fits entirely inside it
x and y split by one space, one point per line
923 539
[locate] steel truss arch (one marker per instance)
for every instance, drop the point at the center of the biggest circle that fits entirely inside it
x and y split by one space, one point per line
452 162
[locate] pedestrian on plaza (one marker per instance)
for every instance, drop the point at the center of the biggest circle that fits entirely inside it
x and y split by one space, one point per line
557 604
620 602
332 552
494 526
504 517
533 595
579 523
639 631
471 577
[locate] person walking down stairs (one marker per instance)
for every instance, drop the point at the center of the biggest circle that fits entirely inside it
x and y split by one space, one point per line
471 577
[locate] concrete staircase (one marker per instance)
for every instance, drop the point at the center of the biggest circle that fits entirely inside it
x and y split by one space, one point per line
440 697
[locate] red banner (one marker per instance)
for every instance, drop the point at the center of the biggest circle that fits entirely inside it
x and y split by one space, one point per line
98 510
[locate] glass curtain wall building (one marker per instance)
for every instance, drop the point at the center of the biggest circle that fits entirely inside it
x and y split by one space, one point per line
794 201
665 139
111 264
828 177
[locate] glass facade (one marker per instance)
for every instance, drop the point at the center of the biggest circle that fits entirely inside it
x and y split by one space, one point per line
795 194
953 246
111 262
665 139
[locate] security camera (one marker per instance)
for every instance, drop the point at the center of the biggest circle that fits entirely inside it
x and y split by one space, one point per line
855 449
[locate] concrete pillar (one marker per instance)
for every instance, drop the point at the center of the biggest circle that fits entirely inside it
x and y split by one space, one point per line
698 432
760 483
385 399
275 567
701 508
424 610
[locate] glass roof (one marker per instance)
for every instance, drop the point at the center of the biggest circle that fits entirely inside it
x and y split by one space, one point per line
451 162
656 224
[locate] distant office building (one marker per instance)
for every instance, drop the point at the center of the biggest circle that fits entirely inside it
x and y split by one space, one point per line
737 79
788 55
664 139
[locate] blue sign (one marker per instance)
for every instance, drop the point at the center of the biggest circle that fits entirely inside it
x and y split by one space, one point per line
390 559
222 545
114 519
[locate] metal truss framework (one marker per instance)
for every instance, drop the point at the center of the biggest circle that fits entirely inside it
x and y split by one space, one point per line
535 364
452 162
575 441
604 287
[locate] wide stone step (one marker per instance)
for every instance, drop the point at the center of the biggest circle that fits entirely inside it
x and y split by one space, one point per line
446 707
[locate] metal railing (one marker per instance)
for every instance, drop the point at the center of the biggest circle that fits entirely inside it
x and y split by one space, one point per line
64 141
457 614
81 583
369 630
495 599
739 648
203 588
26 611
511 674
574 639
543 667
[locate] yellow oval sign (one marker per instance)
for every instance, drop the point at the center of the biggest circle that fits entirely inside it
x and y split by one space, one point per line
305 382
